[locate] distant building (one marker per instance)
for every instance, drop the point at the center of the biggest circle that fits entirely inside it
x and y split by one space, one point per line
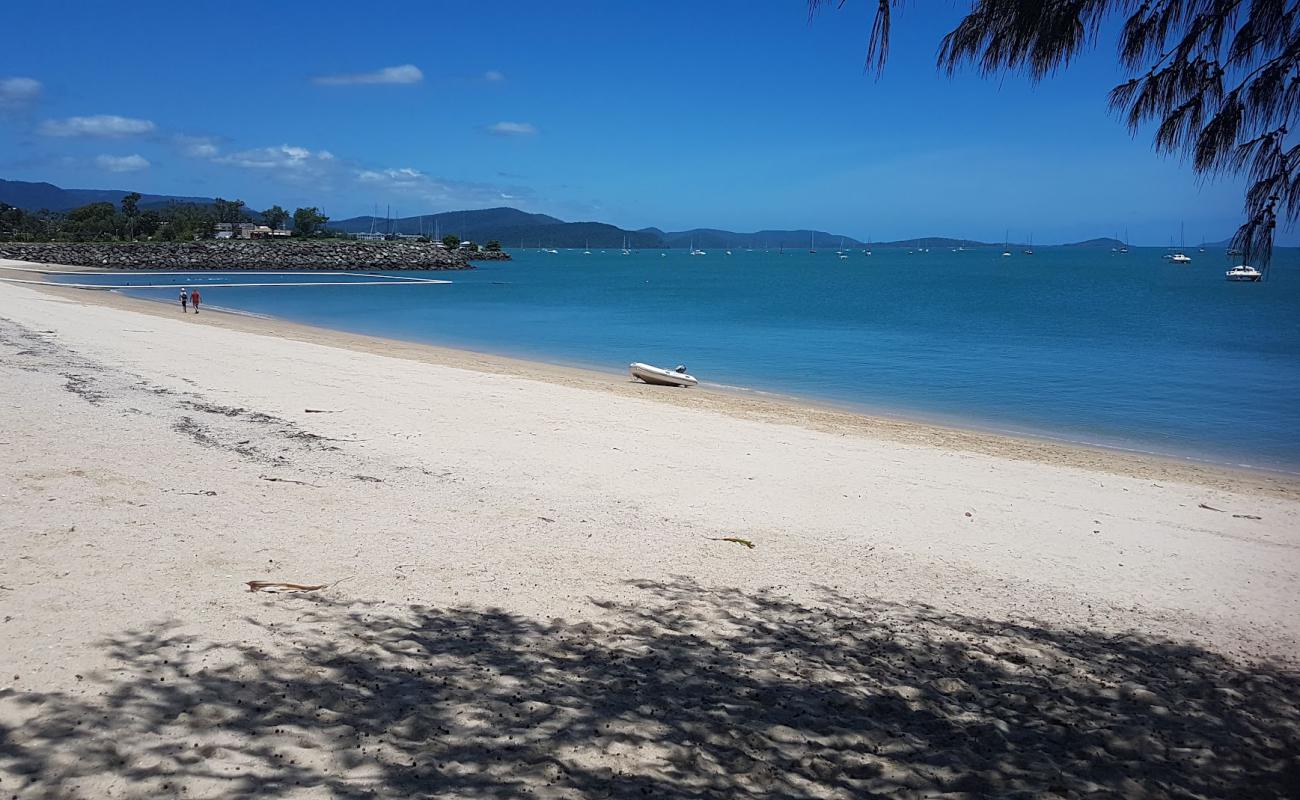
266 232
237 230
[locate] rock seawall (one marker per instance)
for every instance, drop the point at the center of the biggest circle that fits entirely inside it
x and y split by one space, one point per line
252 255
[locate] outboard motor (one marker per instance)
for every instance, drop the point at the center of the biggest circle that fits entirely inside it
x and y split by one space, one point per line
681 368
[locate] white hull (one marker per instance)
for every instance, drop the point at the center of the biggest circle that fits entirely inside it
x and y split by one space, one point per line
660 377
1244 274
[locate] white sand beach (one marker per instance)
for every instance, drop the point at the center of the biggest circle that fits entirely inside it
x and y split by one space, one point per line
531 591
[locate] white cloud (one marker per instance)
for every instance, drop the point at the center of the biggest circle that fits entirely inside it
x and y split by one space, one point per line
19 92
494 76
105 125
131 163
406 73
410 182
512 129
283 157
197 146
403 177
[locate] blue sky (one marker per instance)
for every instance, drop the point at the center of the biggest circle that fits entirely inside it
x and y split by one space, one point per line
739 115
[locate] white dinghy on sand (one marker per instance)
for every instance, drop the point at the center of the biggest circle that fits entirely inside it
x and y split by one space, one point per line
662 377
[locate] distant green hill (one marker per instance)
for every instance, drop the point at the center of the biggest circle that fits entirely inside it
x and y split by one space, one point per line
515 228
1105 243
37 196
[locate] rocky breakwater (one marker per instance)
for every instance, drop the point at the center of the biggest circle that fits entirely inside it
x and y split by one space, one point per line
251 255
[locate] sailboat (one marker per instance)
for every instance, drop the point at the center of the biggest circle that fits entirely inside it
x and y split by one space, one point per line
1029 251
1123 245
1006 243
841 252
812 245
626 252
1180 257
867 252
695 252
586 251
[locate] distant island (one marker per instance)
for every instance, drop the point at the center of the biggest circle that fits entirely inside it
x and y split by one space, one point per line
508 227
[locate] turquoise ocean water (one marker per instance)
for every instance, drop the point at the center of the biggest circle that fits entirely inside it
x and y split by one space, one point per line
1122 350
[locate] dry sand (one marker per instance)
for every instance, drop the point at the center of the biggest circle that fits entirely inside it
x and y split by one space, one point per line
535 596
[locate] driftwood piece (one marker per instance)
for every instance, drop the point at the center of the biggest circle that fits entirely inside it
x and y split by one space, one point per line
274 479
278 587
736 539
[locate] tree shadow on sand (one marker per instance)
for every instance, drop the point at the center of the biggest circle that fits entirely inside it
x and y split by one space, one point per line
681 691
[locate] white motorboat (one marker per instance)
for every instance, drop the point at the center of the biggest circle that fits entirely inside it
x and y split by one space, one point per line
662 377
1244 273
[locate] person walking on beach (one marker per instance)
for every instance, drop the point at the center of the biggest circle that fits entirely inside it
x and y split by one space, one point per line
185 298
194 300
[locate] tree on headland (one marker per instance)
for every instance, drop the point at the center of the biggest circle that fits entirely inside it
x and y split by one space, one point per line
93 221
29 226
308 221
451 241
493 246
131 212
104 222
185 221
145 224
230 210
275 217
1221 78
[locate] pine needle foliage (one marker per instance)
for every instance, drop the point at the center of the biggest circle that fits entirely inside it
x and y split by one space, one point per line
1219 80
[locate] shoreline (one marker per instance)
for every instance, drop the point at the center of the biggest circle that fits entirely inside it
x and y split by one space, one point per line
745 403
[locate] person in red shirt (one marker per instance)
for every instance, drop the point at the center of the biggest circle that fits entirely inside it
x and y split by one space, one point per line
194 300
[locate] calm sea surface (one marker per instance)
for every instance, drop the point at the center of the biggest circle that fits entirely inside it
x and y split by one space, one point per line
1127 351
